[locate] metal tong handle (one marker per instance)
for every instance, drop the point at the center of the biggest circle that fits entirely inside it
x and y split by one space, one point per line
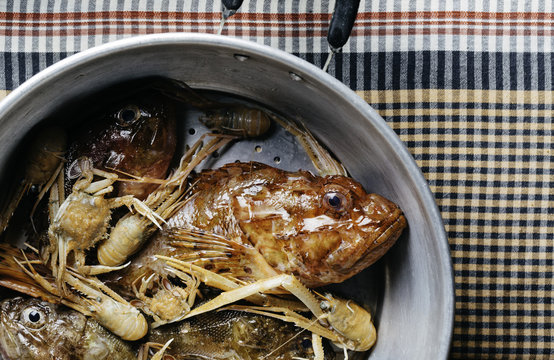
230 7
341 25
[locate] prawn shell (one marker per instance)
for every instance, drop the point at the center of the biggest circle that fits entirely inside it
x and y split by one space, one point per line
238 120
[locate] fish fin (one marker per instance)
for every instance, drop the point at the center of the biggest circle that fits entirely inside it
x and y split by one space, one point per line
26 288
236 261
13 277
200 240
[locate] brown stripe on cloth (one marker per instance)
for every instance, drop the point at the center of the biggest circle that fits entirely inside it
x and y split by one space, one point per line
246 19
281 31
500 16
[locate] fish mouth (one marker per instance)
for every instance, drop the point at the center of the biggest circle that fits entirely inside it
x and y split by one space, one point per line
382 243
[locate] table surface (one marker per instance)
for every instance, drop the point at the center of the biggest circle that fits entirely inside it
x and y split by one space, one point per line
468 88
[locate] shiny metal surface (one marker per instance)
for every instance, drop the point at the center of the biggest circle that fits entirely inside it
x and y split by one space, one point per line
410 291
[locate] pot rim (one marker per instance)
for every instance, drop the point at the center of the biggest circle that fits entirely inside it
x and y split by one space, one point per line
305 69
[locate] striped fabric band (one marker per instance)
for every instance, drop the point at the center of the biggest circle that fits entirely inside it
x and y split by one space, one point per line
468 86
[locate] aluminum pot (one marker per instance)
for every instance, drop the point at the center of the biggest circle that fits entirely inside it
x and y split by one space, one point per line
410 290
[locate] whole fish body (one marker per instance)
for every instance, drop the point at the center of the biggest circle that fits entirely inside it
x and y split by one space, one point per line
233 335
249 221
32 329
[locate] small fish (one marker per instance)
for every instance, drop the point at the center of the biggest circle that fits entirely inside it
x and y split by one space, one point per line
250 221
135 134
36 329
231 335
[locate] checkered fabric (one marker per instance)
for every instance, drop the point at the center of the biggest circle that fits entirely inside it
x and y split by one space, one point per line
467 85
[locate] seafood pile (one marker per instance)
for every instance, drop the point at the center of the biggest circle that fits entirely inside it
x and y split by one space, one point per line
130 247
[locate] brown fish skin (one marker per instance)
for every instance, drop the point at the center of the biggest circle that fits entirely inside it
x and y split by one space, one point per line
226 335
136 135
321 229
32 329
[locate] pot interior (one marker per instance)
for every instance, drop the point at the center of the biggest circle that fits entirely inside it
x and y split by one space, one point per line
409 291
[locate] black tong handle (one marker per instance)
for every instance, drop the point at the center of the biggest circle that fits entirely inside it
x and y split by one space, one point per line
342 22
233 5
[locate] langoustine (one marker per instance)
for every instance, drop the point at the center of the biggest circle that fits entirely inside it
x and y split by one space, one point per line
33 329
42 162
342 321
24 272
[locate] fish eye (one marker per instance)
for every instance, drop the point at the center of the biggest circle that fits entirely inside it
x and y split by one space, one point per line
305 345
335 201
33 317
128 115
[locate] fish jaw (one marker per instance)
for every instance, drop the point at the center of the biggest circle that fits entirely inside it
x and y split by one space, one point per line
334 256
371 241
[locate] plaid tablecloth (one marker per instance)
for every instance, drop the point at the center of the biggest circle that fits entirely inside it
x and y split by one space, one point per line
468 86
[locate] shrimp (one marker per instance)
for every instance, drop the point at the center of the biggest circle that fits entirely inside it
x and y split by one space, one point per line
248 122
344 322
234 119
43 162
239 120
